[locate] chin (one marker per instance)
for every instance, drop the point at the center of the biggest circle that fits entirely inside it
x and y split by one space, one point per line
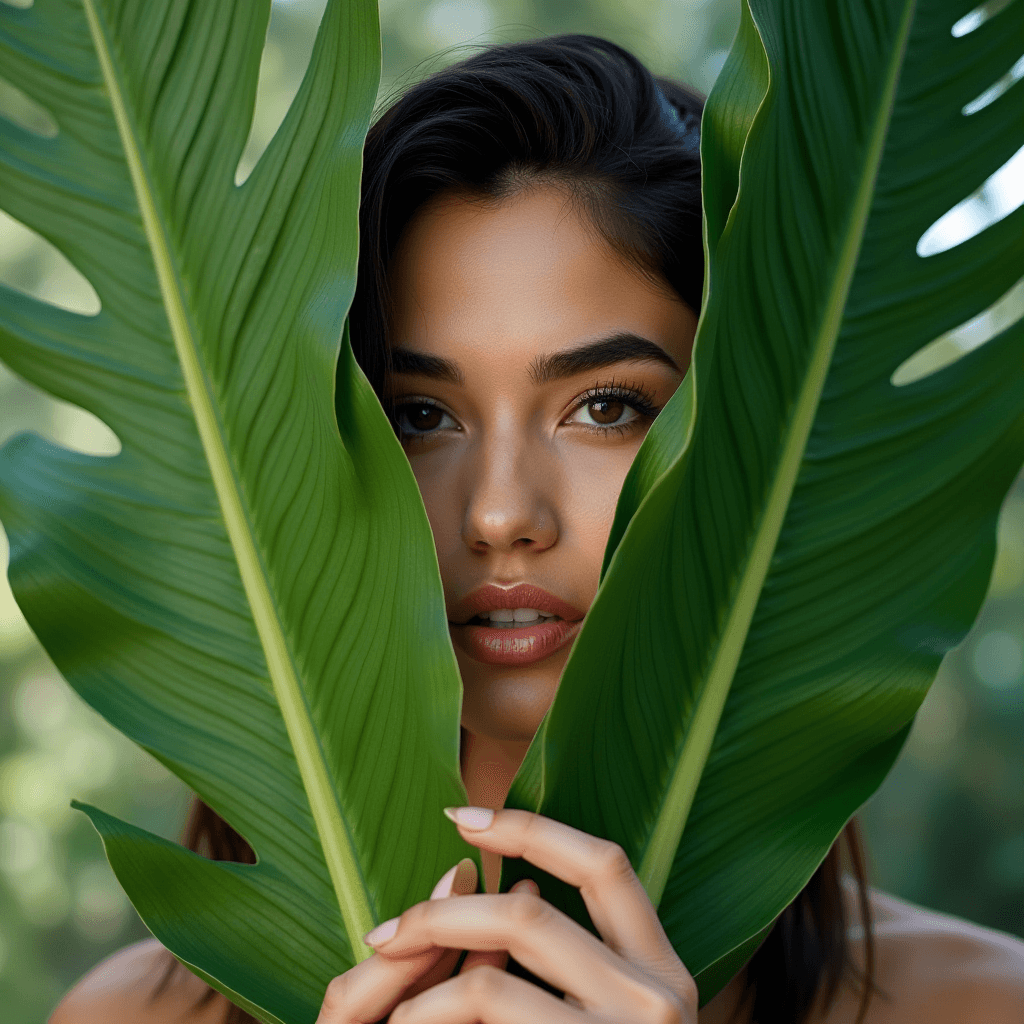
510 705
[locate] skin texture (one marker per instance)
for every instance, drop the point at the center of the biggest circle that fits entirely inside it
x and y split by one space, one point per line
518 486
520 482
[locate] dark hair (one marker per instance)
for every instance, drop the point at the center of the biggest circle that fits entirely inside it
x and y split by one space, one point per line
584 115
576 112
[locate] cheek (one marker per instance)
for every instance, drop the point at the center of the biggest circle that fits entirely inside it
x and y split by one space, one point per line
594 478
436 475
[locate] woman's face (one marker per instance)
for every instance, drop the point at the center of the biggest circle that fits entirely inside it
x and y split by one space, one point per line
529 362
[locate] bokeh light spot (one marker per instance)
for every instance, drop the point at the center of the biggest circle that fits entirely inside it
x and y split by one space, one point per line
998 659
42 705
33 787
447 22
100 907
22 847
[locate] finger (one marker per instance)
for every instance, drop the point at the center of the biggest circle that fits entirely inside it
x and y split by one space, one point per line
370 989
460 880
543 939
463 881
499 958
476 958
441 971
487 996
617 902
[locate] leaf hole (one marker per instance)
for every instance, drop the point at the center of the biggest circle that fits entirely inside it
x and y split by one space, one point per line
976 18
286 53
22 5
28 408
34 266
997 89
25 112
997 197
952 346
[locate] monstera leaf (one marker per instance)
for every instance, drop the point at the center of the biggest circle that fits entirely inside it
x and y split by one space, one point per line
801 540
254 597
248 595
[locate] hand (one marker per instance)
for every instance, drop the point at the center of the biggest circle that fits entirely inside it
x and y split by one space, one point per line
368 991
632 977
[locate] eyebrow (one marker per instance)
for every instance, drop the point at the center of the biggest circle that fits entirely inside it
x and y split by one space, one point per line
405 361
621 347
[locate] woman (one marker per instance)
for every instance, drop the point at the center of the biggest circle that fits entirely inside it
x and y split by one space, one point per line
530 279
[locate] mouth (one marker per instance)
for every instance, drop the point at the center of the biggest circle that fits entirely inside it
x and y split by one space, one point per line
512 618
514 625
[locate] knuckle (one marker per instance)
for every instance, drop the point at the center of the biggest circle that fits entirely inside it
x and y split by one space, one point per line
482 984
610 863
399 1013
336 996
526 910
530 828
414 915
664 1007
688 994
416 919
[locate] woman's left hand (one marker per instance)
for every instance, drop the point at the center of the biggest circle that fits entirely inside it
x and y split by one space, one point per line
632 977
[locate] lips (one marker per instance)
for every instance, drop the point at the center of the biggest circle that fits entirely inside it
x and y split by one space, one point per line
507 642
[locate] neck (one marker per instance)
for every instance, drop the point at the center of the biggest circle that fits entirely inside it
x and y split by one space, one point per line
488 768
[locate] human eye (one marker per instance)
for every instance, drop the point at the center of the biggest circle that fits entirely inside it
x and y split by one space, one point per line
420 417
613 407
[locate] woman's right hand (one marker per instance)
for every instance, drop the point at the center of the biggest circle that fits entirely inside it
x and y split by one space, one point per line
371 990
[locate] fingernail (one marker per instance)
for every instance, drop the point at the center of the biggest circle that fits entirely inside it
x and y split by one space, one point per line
526 885
382 933
476 819
444 884
465 880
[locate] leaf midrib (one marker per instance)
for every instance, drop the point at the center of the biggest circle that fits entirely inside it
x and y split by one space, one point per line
339 853
659 854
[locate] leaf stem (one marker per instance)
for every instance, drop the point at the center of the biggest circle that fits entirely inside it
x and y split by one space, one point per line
656 864
336 841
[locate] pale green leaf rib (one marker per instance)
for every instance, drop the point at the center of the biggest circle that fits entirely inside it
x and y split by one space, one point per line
339 853
656 863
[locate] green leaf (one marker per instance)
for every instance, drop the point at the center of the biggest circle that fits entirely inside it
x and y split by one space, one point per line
247 594
728 114
800 541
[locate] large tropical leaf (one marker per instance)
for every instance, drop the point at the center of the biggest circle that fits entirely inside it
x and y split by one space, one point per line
236 590
800 540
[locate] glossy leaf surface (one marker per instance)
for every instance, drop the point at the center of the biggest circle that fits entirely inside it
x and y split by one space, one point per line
800 541
249 595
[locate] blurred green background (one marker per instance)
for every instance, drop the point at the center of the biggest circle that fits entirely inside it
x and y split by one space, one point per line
946 829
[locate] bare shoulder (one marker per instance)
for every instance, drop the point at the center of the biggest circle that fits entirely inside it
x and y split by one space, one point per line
933 968
122 988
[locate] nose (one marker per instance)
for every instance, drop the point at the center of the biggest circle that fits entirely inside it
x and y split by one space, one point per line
511 498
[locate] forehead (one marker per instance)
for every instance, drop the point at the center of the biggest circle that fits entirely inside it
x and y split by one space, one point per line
518 278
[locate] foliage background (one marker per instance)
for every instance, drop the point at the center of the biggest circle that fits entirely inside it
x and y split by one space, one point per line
947 828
